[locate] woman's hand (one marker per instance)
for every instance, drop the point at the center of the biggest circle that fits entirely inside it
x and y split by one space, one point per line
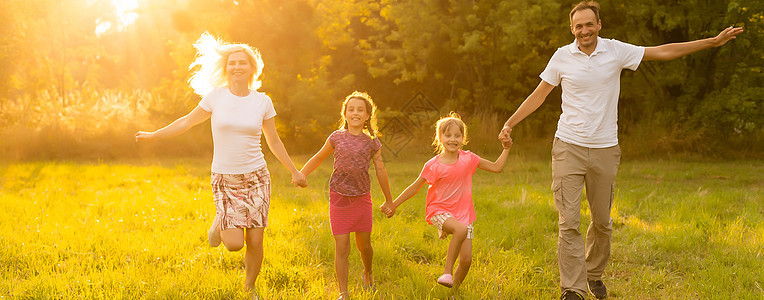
299 180
143 135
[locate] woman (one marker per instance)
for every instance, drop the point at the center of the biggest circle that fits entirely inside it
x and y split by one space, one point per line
228 81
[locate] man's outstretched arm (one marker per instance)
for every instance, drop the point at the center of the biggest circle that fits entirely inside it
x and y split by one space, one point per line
676 50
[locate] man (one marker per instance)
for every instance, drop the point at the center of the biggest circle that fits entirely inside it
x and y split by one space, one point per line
585 151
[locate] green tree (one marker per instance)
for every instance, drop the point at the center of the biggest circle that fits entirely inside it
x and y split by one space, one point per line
703 101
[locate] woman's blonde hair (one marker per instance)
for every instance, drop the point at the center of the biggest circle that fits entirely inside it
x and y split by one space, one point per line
370 126
212 57
453 119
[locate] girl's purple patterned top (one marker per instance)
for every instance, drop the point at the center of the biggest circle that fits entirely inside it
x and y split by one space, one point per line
352 155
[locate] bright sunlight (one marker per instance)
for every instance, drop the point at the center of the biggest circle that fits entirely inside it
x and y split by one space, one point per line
125 12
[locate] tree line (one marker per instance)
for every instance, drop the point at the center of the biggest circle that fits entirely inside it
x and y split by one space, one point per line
77 79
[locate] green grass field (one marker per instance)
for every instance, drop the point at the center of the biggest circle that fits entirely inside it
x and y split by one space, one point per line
124 230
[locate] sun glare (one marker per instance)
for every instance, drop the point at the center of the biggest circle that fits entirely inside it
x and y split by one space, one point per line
125 11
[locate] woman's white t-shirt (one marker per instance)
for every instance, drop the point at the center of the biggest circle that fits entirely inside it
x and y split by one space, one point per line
237 124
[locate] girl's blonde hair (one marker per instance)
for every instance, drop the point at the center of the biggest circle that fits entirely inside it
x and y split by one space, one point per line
453 119
370 126
212 57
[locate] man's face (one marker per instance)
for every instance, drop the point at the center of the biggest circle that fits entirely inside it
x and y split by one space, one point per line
585 27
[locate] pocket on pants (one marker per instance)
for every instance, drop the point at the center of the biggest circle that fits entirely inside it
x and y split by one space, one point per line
557 193
559 150
556 186
558 155
559 200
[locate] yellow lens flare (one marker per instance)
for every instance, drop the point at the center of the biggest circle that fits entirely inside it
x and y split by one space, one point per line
125 11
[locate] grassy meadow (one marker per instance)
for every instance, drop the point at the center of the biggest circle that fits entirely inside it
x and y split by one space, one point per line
684 229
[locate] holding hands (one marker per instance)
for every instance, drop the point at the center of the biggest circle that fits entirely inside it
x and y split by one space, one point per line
506 140
299 179
388 208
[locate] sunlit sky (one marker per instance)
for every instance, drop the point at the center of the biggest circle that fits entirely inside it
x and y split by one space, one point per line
126 15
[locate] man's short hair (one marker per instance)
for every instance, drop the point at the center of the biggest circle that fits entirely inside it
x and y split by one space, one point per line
594 6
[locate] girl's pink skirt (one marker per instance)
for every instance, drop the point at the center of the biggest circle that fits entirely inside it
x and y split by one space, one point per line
350 213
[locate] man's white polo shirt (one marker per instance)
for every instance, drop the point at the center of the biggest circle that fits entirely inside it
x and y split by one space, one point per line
590 88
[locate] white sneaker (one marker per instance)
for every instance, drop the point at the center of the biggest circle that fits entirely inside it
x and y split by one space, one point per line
213 235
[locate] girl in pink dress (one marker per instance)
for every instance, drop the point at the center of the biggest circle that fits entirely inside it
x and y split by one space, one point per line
449 196
354 145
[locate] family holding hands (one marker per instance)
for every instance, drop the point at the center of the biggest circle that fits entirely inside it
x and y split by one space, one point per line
449 198
585 153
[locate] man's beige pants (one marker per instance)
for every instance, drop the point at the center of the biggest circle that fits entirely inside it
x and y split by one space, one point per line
574 167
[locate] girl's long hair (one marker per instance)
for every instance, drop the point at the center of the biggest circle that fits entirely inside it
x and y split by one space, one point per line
211 59
453 119
370 126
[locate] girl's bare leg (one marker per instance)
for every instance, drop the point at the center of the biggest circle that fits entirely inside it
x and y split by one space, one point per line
465 261
363 242
458 233
341 253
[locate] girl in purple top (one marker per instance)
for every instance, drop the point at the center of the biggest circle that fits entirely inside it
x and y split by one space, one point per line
354 145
